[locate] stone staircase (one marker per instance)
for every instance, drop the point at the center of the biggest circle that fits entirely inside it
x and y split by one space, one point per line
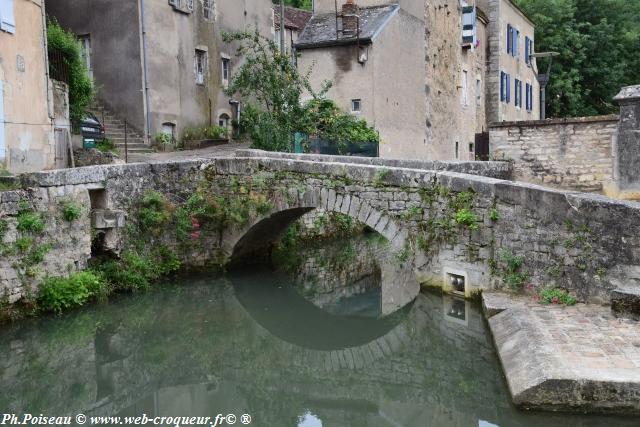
115 131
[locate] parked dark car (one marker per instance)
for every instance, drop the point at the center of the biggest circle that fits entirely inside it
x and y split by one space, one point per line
91 128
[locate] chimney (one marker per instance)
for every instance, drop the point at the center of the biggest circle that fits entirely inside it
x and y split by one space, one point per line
349 19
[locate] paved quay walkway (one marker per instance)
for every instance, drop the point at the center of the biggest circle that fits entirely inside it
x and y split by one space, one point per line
579 358
225 150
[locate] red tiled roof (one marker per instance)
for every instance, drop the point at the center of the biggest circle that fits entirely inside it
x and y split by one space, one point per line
294 19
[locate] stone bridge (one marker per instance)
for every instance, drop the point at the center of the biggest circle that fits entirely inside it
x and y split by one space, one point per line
461 220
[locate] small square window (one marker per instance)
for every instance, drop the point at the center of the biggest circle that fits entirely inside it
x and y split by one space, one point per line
356 105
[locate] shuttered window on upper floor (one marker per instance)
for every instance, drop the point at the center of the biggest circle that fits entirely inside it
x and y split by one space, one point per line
469 31
7 16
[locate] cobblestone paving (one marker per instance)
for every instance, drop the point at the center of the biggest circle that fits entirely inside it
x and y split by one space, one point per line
591 341
579 357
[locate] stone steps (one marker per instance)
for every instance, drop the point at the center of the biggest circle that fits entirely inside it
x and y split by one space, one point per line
625 302
115 131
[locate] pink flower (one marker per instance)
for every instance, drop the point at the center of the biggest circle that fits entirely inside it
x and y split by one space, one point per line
195 235
555 300
194 222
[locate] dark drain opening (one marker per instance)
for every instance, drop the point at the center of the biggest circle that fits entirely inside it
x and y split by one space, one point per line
457 283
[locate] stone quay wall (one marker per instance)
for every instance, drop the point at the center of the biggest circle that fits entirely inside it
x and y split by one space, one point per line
575 154
441 222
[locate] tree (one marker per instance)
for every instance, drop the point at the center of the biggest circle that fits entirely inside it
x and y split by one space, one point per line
81 91
300 4
272 88
598 41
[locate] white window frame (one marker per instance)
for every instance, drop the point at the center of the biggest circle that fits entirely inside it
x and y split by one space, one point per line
465 88
356 102
200 67
225 70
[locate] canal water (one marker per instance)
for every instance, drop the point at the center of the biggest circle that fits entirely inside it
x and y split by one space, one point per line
307 341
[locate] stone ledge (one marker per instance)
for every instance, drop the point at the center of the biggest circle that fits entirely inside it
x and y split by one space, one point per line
625 302
571 359
613 118
494 169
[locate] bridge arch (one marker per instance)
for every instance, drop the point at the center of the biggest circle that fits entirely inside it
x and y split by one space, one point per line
263 231
399 284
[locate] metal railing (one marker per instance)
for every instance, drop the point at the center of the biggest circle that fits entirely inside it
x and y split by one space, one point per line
58 65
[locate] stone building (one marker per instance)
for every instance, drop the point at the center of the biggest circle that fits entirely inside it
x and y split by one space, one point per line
365 72
441 99
27 141
513 89
294 22
162 65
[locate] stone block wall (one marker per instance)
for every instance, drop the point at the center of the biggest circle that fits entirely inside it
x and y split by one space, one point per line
574 154
582 242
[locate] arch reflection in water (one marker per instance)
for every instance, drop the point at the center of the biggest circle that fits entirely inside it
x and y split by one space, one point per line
193 348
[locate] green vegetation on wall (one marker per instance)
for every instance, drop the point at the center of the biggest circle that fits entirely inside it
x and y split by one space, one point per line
81 91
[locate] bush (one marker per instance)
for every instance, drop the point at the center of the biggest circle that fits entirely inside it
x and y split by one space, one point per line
71 211
30 222
467 218
153 211
556 296
81 91
205 132
60 293
107 146
136 272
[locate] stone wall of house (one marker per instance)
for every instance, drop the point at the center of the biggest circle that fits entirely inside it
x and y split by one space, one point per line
574 154
582 242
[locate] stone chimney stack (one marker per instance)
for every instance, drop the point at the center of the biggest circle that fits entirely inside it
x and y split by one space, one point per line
349 21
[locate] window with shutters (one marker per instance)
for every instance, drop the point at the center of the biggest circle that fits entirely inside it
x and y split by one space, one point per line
469 31
200 66
7 16
509 38
518 93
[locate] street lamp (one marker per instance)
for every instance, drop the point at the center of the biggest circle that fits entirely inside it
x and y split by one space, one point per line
543 79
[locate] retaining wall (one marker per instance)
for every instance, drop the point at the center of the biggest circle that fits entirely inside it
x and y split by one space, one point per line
575 154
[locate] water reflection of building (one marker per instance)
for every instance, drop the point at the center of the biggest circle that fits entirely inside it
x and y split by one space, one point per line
197 349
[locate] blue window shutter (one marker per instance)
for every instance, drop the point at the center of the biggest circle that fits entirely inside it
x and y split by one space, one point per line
7 16
501 86
509 39
526 50
508 88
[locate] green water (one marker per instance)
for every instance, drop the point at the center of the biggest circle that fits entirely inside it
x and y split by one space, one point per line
305 345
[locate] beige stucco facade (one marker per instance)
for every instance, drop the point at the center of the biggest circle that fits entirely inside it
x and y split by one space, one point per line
26 134
429 90
391 98
176 97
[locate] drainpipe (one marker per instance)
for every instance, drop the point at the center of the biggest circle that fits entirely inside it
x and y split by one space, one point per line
145 71
45 46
